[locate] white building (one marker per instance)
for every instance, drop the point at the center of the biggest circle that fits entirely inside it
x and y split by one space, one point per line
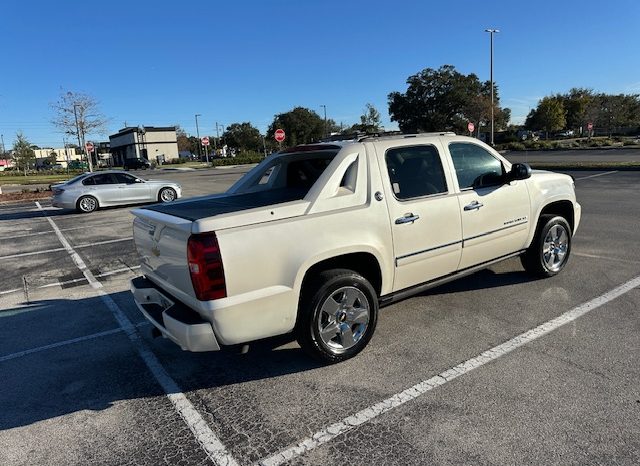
152 143
63 155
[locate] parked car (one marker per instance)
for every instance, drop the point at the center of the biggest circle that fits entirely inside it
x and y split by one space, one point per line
316 237
136 164
77 165
90 191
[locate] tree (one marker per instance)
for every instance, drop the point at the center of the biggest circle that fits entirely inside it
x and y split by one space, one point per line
444 99
77 114
185 142
301 126
576 103
243 136
550 115
23 155
616 111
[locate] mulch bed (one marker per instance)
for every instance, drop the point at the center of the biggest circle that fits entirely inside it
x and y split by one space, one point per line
30 196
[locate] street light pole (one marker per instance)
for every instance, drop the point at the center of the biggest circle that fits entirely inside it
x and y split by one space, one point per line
491 33
325 119
198 134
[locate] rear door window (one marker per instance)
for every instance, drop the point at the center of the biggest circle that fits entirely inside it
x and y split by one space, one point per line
415 171
100 179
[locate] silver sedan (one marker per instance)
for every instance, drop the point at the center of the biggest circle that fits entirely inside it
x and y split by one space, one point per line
90 191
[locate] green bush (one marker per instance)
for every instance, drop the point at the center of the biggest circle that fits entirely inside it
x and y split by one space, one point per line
515 146
239 160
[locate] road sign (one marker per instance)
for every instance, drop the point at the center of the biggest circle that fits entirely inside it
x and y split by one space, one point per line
205 141
89 146
471 127
590 126
279 135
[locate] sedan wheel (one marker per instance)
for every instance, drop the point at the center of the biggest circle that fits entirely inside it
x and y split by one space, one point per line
167 195
87 204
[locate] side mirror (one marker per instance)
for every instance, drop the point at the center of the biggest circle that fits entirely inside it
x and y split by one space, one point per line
519 171
138 180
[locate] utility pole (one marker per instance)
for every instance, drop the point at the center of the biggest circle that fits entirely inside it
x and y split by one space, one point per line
2 139
491 33
325 120
198 134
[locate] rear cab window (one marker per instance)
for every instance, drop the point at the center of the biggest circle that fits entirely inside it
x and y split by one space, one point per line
292 172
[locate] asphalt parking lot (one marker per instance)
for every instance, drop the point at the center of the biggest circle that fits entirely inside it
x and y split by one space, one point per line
447 378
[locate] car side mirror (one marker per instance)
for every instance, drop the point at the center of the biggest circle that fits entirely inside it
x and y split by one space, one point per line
519 171
138 180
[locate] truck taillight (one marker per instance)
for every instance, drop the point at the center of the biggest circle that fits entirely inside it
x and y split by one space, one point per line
205 266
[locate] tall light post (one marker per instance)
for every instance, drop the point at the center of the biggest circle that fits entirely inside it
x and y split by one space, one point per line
198 134
491 33
325 119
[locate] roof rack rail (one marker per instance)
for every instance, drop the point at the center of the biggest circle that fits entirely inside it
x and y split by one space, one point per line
360 136
400 134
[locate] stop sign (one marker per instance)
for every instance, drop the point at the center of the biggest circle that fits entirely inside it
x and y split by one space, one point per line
471 127
279 135
89 146
589 126
205 141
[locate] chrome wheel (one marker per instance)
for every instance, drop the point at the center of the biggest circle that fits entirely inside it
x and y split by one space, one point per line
343 318
167 195
88 204
555 247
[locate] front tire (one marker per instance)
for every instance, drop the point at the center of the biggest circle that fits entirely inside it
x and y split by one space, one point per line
167 195
550 248
87 204
337 316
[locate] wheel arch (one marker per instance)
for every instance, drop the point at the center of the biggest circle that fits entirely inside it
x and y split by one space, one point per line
363 263
564 208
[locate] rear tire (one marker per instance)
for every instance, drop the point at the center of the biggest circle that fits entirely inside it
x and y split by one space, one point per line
550 248
337 315
87 204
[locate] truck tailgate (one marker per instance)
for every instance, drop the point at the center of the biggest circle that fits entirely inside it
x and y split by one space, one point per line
161 241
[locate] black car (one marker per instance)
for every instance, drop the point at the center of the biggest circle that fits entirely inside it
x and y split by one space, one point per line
136 164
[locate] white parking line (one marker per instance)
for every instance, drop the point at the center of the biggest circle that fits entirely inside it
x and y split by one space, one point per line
59 344
79 246
76 280
607 258
349 423
90 225
213 447
597 174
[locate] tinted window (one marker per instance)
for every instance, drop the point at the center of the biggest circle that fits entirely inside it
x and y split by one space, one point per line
303 173
475 166
103 178
124 178
415 171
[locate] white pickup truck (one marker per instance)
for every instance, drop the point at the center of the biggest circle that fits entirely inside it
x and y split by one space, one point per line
315 238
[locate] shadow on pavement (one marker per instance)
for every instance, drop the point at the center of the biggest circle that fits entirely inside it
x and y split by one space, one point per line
98 373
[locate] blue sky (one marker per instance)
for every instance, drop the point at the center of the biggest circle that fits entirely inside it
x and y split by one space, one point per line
159 63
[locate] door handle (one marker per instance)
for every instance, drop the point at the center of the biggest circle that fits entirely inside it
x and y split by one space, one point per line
474 205
407 218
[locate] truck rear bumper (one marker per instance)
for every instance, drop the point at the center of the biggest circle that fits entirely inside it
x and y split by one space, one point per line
175 321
